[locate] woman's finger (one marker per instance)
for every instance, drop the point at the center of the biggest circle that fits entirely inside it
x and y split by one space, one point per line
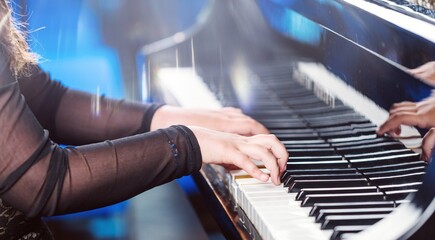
272 143
259 152
242 161
395 120
403 104
408 109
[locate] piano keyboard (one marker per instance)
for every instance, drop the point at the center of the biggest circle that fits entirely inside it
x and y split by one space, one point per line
341 178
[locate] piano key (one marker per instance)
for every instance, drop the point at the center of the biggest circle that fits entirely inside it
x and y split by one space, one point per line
399 194
334 120
316 145
272 201
341 231
384 160
290 131
363 219
303 100
284 124
333 157
381 204
403 186
317 164
351 211
419 169
361 149
365 142
403 178
352 182
325 111
277 112
313 152
352 139
295 177
317 141
394 166
347 134
297 136
346 127
377 153
311 199
337 122
321 171
305 191
288 173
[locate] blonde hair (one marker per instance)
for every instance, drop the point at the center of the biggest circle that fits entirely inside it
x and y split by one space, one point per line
15 50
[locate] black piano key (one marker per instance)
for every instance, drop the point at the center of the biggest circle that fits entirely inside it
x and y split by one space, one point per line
328 183
292 142
295 177
333 157
341 231
366 148
311 115
395 172
303 100
311 199
271 113
351 139
351 211
323 111
289 131
365 142
297 136
284 124
289 173
333 221
397 179
322 171
395 166
315 145
345 127
291 165
332 120
305 191
381 204
385 160
400 194
346 134
313 152
378 153
337 122
403 186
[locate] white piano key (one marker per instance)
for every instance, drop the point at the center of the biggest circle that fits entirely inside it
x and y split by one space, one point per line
275 213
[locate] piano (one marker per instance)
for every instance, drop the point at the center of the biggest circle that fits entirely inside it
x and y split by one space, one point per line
321 75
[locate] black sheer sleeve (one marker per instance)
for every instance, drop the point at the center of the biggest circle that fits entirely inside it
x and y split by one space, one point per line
40 178
77 118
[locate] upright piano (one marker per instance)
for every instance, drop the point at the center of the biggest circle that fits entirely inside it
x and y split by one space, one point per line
321 75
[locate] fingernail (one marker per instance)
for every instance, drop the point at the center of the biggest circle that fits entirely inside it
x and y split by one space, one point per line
264 177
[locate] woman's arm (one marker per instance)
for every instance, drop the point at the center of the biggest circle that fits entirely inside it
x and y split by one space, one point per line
75 117
40 178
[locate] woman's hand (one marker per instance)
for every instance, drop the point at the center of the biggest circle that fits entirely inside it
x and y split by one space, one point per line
421 114
231 149
227 119
428 144
425 72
